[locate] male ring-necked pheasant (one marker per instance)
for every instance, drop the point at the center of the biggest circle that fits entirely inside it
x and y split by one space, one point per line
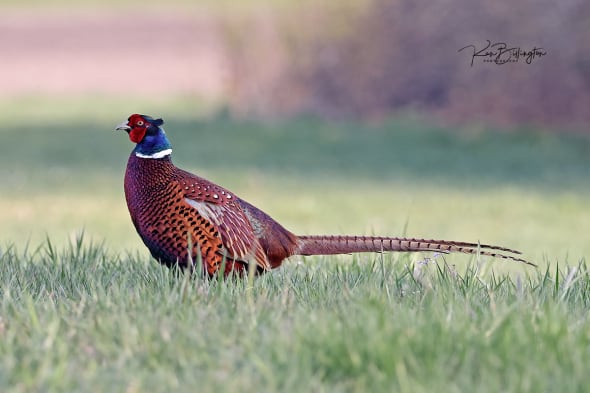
173 210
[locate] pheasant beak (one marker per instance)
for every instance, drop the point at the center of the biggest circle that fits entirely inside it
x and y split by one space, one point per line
123 126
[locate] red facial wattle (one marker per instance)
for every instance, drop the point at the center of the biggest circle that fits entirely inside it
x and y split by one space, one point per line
136 134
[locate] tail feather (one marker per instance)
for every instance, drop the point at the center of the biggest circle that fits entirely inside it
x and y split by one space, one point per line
329 245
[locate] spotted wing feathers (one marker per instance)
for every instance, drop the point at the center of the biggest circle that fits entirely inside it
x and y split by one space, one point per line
222 209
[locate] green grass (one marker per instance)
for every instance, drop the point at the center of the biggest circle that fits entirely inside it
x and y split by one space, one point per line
100 315
82 319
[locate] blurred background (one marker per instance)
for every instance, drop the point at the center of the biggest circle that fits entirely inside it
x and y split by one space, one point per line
334 116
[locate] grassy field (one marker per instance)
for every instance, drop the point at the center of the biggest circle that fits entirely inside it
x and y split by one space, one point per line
99 315
84 320
62 170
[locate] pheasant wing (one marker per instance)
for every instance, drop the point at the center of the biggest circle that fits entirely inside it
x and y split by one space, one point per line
220 207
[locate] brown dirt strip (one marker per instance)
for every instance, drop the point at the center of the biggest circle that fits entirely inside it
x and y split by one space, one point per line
110 51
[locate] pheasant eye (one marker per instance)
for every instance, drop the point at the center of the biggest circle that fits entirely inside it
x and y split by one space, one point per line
140 123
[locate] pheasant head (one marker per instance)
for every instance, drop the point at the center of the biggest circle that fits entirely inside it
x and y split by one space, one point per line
148 134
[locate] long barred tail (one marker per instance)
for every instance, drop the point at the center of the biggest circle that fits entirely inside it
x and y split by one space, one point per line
329 245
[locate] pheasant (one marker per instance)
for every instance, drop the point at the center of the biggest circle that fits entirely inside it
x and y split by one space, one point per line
175 211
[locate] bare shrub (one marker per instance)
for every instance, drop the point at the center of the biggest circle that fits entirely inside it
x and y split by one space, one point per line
372 59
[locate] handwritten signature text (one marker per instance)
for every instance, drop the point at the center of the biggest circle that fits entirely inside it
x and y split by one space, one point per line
500 53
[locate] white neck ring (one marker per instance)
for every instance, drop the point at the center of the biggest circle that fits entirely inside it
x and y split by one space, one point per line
158 154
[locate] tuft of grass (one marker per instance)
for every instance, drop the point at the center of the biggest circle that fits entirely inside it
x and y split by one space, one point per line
82 318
